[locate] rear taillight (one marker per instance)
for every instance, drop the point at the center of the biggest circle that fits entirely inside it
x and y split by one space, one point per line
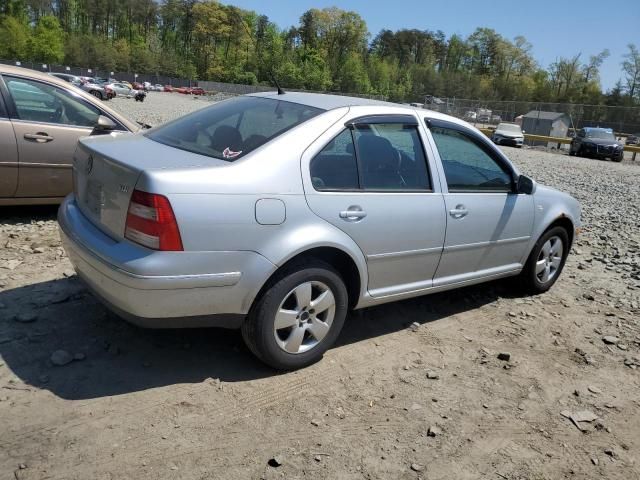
151 222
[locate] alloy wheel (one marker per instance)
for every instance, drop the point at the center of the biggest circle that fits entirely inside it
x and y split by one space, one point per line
549 259
304 317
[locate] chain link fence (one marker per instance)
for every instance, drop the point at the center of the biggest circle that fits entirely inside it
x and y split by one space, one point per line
100 73
484 113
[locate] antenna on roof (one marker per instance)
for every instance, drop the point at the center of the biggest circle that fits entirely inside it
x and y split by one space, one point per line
271 74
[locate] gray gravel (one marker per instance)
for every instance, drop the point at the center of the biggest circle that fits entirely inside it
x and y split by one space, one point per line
160 107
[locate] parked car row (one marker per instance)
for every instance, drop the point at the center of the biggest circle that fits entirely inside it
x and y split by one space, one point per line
107 88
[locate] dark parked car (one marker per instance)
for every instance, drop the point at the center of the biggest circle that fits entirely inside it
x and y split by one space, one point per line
198 91
633 139
596 143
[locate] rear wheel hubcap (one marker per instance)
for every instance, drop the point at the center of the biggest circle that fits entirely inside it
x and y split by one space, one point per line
304 317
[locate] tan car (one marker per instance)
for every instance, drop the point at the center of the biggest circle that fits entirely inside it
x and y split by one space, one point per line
41 120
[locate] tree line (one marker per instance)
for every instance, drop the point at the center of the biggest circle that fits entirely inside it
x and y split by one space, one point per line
329 50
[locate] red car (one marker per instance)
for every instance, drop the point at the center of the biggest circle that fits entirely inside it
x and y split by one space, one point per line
168 88
198 91
137 86
185 90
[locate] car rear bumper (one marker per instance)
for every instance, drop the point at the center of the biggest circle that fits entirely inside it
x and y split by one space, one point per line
162 289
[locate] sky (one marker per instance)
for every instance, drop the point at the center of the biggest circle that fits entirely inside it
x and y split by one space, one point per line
555 28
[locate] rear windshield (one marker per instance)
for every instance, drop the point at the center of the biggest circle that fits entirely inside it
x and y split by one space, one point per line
231 129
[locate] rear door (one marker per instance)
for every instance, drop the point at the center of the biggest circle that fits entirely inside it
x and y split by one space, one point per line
372 179
488 223
47 121
9 153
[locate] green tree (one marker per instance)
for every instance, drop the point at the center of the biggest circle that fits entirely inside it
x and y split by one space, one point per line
14 36
47 42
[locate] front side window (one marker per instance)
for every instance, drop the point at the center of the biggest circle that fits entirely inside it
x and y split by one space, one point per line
233 128
41 102
467 166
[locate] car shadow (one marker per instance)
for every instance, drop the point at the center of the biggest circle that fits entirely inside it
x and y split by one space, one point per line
113 357
10 215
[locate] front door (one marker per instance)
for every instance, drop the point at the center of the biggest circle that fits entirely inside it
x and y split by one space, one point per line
372 181
8 155
488 224
48 122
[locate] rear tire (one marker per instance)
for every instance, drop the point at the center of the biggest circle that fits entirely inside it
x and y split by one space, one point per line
96 94
546 261
298 316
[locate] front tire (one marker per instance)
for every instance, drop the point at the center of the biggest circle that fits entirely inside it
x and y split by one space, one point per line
298 316
546 261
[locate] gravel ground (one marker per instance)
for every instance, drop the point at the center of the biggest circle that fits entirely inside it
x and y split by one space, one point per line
85 395
160 107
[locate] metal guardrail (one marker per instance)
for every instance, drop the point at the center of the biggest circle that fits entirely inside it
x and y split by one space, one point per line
561 140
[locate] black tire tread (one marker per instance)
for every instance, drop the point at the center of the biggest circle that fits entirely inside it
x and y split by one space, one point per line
527 280
250 327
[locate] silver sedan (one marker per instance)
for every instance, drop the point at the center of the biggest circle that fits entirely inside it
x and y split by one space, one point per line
277 214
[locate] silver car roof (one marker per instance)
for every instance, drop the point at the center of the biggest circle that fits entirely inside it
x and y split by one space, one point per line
323 101
331 102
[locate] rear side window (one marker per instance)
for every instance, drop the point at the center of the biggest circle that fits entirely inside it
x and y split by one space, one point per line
372 157
233 128
391 157
335 167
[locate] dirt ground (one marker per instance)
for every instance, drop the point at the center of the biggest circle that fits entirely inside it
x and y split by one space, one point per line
390 401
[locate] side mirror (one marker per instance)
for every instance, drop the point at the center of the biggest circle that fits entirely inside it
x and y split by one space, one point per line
104 125
525 185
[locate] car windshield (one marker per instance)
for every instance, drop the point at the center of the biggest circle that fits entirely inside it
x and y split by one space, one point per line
597 133
231 129
509 127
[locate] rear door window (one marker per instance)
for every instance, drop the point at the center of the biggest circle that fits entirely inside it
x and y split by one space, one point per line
391 157
233 128
335 167
376 157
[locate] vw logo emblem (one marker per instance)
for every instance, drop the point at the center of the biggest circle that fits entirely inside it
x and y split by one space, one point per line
89 166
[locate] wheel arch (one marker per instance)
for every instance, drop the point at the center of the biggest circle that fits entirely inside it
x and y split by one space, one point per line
342 261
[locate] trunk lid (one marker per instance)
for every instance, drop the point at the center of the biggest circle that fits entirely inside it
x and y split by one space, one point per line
106 170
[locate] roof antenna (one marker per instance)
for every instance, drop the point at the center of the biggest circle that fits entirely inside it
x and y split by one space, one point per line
271 74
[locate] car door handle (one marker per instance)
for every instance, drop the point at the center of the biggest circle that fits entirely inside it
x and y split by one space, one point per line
40 137
459 212
353 214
